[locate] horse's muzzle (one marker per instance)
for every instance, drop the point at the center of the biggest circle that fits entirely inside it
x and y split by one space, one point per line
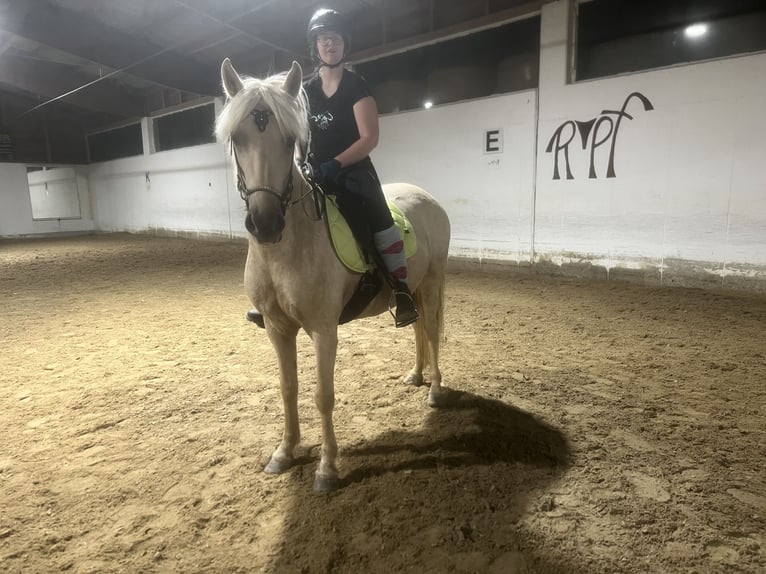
265 229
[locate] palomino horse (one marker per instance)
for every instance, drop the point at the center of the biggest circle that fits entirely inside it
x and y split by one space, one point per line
292 274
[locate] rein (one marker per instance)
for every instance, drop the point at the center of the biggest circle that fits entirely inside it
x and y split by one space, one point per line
307 169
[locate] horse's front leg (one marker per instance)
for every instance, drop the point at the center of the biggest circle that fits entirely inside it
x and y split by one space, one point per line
325 347
285 346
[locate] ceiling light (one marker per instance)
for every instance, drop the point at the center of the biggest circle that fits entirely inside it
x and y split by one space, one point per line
695 30
429 104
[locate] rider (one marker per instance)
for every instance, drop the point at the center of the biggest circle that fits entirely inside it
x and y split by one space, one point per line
344 130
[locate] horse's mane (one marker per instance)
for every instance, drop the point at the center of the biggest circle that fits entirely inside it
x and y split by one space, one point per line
290 113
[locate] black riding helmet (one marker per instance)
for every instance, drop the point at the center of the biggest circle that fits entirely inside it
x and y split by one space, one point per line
327 20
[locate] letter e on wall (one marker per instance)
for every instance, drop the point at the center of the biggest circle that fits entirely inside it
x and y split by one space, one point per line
493 141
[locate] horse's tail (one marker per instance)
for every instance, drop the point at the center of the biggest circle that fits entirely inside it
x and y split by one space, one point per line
422 339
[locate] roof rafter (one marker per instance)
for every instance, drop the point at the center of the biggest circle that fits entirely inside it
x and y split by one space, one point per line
48 80
61 29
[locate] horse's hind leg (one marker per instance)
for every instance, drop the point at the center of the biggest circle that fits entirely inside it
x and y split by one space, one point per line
415 376
433 329
285 346
428 330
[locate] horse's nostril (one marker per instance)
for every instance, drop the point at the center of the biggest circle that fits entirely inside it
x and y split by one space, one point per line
250 224
264 229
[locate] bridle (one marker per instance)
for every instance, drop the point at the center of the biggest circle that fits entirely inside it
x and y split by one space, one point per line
245 192
261 118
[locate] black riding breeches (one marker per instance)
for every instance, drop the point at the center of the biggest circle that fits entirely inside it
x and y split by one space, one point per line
361 183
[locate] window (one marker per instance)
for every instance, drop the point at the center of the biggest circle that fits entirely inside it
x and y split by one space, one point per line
632 35
116 143
186 128
494 61
53 193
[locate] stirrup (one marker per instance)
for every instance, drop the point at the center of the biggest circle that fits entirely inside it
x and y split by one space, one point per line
406 312
255 316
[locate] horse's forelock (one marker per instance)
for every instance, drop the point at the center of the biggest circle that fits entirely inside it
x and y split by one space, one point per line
291 114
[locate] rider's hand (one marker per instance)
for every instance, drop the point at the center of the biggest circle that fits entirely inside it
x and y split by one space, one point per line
330 169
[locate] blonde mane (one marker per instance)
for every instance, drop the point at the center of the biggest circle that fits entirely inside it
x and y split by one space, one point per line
290 113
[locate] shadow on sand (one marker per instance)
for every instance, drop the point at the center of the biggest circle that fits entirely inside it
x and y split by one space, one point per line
468 430
450 495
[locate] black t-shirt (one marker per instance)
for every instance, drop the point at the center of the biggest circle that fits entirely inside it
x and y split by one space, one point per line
332 121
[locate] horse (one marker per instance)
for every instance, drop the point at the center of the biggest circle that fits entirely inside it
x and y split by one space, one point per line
292 274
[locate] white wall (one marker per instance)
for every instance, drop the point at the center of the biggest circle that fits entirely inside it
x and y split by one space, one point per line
16 216
690 183
489 197
189 191
689 193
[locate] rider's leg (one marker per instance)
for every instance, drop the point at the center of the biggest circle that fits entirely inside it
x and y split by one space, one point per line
388 240
391 248
389 244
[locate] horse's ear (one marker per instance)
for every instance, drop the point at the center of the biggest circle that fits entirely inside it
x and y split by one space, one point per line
232 84
293 80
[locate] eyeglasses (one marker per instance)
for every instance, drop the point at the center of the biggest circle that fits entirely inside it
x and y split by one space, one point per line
327 39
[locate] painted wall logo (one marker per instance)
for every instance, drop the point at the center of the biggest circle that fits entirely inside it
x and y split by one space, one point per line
591 137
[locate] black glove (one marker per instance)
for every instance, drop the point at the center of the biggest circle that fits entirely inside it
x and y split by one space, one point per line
330 170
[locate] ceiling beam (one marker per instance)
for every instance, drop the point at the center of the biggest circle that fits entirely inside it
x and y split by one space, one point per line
51 80
228 11
237 29
64 117
84 37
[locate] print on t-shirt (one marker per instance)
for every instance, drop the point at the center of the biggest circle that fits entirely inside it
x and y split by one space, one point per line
322 120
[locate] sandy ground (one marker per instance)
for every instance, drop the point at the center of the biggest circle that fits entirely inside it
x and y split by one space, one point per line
594 427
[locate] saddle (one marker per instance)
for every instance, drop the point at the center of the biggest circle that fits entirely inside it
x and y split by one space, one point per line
351 238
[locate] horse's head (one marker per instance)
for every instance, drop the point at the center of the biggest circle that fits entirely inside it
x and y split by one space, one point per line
262 121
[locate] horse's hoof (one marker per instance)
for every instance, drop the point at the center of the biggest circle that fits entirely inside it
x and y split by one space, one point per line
436 399
326 484
414 379
277 465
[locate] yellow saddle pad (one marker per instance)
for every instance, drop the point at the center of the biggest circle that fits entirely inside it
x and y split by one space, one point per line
345 245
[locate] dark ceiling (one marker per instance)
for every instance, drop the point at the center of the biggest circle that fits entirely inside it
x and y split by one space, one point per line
70 67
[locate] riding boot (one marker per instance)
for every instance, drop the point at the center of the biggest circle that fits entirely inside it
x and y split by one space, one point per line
406 312
255 316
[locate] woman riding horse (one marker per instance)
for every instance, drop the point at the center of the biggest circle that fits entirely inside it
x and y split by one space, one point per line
343 118
292 273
